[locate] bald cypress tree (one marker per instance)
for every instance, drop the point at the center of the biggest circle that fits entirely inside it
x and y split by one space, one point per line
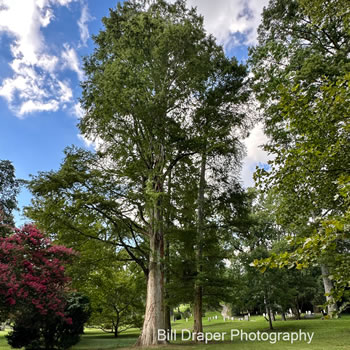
145 81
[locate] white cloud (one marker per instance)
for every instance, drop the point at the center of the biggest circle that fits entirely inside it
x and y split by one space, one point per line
65 92
82 23
87 142
71 60
29 92
95 142
255 154
47 62
35 84
64 2
31 106
232 22
78 111
46 18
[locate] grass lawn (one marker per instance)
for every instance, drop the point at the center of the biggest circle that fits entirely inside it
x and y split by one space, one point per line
328 335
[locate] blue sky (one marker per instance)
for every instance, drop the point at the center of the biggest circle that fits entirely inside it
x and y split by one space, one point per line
41 46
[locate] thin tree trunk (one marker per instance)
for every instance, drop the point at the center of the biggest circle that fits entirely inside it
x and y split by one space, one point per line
283 316
297 308
268 311
328 286
116 325
198 289
167 318
270 317
166 277
167 257
154 315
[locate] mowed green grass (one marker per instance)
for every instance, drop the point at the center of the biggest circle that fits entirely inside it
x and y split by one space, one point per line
329 335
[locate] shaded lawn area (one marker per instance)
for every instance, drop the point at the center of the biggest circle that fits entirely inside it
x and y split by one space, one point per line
329 334
95 339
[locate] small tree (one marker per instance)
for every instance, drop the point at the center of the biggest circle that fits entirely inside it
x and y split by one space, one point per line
117 298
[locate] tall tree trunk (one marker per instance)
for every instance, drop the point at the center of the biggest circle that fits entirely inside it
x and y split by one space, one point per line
283 316
328 286
198 289
154 315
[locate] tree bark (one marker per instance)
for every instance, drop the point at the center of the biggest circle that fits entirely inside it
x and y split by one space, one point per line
283 316
197 312
268 311
154 314
116 325
270 317
296 309
328 286
198 289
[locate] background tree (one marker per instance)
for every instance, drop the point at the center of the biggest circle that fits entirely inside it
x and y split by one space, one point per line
116 289
118 299
299 60
271 291
9 189
218 125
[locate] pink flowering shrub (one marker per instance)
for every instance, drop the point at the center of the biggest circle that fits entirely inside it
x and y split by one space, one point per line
34 293
32 272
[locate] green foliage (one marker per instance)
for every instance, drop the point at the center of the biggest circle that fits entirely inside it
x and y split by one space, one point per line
323 13
330 244
83 205
308 171
9 189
